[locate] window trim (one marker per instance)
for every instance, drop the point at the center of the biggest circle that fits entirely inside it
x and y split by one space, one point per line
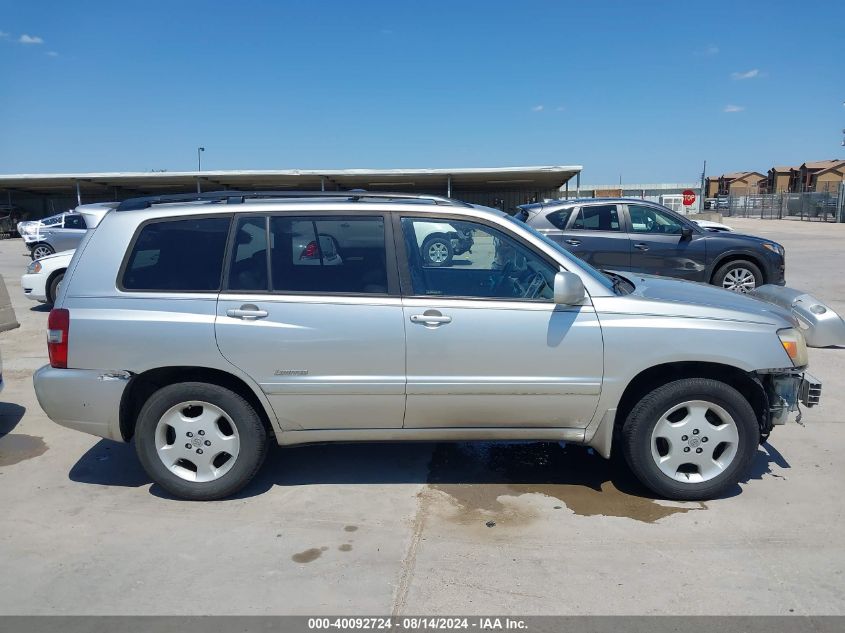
619 219
407 286
315 216
173 218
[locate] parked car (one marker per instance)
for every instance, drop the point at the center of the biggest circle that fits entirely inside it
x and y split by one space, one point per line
207 364
645 237
713 226
64 231
44 276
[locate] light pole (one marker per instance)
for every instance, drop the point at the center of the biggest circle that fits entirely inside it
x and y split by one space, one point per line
200 150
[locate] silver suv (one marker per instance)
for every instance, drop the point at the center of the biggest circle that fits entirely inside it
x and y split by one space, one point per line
205 326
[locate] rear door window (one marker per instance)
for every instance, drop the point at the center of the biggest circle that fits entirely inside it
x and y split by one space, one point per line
559 218
74 221
342 254
601 217
178 256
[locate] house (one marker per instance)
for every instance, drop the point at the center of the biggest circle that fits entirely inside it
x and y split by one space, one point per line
781 178
822 175
738 183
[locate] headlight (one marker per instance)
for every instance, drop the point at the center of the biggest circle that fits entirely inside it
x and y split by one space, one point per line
775 248
794 345
34 267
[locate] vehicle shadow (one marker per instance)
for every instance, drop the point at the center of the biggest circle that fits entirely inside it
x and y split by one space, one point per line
40 307
10 415
523 467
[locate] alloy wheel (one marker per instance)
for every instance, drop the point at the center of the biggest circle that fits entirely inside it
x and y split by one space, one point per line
438 252
694 441
41 251
197 441
739 280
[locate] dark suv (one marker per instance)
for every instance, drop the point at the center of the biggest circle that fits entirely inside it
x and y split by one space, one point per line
646 237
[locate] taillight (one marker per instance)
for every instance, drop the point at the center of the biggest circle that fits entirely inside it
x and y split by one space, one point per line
58 328
312 251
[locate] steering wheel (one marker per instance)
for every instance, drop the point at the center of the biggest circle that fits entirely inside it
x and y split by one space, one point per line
505 276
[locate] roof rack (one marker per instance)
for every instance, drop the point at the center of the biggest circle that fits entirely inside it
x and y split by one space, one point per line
238 197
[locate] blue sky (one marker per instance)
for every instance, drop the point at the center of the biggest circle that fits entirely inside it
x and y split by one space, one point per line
647 90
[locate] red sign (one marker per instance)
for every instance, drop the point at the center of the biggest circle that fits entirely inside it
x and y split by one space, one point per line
689 197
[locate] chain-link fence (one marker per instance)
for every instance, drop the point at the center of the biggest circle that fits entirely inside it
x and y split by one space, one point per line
827 206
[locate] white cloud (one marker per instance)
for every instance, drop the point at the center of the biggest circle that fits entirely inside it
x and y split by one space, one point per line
52 54
30 39
711 50
538 108
560 109
734 108
3 35
750 74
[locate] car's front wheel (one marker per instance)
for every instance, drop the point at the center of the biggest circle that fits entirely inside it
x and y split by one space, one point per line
54 287
200 441
691 439
739 276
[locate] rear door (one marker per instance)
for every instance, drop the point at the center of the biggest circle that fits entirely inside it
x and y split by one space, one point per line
313 315
593 232
659 248
69 236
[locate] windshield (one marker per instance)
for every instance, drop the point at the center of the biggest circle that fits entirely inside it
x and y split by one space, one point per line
600 277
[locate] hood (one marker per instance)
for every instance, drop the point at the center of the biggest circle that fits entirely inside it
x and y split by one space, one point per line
742 237
63 254
699 300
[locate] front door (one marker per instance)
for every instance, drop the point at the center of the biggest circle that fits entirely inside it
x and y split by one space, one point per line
316 320
486 345
659 248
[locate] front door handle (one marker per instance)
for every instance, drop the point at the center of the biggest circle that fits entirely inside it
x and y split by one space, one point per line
573 242
641 246
431 318
247 312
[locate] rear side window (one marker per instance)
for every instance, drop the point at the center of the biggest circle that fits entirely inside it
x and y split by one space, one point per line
74 221
178 255
327 255
558 219
602 217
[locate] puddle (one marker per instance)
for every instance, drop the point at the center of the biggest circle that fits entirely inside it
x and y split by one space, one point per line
346 547
350 528
16 448
307 556
487 479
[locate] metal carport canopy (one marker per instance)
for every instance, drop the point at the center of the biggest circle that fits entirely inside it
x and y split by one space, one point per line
429 180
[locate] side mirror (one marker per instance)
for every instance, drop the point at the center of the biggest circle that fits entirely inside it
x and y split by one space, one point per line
686 233
569 289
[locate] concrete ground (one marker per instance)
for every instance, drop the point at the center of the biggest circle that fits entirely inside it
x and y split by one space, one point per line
377 529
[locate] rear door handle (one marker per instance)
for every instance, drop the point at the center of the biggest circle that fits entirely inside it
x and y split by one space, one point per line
430 319
247 312
573 242
641 246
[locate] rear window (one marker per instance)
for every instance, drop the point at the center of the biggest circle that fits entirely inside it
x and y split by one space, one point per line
178 255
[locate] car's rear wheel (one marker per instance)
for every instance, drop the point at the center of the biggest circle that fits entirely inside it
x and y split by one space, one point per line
739 276
200 441
41 250
437 251
55 286
691 439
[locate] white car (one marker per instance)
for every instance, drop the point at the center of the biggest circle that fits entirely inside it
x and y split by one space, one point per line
44 276
713 226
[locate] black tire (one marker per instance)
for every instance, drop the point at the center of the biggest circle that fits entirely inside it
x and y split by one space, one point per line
251 434
53 289
641 421
437 242
45 249
738 265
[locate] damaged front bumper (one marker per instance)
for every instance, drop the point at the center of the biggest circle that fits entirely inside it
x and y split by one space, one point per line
788 390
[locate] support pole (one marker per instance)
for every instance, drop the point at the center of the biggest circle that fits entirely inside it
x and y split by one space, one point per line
322 183
449 186
78 194
578 185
